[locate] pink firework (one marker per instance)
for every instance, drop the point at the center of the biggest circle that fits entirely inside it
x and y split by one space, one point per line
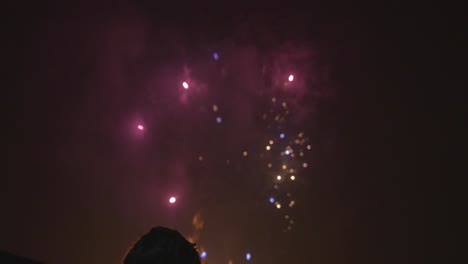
172 200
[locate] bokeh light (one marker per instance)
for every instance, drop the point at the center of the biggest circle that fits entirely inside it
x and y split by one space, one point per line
284 167
245 153
291 78
268 147
309 146
278 206
273 99
203 255
291 204
140 127
278 177
270 165
248 256
215 56
271 142
219 120
272 200
282 135
172 199
287 152
293 177
305 165
215 108
185 85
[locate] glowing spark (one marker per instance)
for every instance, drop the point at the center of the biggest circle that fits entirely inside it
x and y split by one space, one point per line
185 85
215 108
172 200
278 206
272 200
278 177
304 165
291 78
268 147
282 135
293 177
140 127
245 153
287 152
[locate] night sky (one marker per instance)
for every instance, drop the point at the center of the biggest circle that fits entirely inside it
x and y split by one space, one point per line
113 108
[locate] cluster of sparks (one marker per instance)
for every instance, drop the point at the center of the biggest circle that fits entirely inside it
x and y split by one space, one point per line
284 155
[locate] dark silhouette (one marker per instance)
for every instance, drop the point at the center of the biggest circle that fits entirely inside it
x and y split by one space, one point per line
9 258
162 246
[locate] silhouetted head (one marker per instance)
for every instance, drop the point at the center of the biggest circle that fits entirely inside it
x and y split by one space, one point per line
162 246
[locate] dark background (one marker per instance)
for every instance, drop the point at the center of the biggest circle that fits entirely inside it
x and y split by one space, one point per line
73 192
